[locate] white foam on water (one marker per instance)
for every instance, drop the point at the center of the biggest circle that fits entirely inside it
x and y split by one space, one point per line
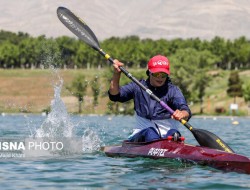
90 141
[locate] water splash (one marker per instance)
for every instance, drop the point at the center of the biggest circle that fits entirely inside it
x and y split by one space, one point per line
90 141
58 127
57 123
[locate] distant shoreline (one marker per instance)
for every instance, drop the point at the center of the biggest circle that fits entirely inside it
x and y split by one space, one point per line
31 92
120 115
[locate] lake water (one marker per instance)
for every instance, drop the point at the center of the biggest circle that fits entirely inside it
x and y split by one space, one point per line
81 164
91 169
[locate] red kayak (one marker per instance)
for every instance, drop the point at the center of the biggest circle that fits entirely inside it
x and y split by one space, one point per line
169 149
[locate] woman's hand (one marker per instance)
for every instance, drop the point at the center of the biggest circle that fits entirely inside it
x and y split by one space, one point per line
116 65
114 83
178 115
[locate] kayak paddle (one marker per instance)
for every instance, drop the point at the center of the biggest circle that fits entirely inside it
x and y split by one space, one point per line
84 33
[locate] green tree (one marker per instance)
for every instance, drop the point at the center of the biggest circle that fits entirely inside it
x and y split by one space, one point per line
48 53
242 52
206 61
201 83
234 85
68 47
78 88
246 92
9 55
95 86
218 46
190 72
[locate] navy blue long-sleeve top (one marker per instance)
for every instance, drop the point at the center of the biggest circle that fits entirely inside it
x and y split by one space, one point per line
147 107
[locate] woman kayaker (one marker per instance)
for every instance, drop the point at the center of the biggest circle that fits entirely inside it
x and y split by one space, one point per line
152 120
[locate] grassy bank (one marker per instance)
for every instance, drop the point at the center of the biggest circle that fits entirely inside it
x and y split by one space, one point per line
216 95
32 91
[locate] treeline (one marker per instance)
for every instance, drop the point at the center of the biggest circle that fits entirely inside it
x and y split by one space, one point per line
20 50
191 60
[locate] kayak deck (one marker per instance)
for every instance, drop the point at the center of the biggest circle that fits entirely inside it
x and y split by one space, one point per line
178 150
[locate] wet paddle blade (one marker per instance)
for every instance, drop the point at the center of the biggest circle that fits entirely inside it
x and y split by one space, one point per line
78 27
208 139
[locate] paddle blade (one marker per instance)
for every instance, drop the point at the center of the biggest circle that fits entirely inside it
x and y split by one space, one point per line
208 139
78 27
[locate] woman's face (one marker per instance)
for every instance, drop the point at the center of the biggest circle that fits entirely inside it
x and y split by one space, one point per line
157 79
